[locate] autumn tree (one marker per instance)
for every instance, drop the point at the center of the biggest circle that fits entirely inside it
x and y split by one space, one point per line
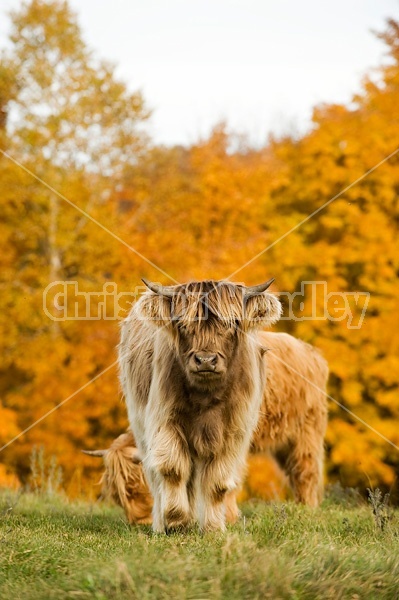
201 210
75 127
349 161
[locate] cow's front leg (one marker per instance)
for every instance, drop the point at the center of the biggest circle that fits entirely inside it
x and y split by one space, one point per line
170 461
217 478
157 517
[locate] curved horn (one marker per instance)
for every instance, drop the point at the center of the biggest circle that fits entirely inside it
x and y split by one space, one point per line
254 290
95 452
161 290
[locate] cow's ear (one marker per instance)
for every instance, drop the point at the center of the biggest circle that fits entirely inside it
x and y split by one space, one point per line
155 308
132 453
261 310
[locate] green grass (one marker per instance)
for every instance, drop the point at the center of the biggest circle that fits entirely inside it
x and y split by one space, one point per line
52 548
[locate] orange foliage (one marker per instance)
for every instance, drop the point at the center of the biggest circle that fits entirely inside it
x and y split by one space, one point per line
264 480
196 212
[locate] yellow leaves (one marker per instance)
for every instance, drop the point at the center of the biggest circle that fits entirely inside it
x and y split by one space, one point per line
8 424
264 480
389 399
8 479
386 370
352 392
72 110
358 457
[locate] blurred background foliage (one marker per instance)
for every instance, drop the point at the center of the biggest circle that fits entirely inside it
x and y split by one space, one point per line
198 212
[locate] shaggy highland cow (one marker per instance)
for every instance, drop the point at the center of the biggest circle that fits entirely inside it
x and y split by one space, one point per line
289 421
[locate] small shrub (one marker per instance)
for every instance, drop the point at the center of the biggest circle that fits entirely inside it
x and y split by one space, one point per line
380 506
46 475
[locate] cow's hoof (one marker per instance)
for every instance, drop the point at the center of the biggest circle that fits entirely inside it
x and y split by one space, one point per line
176 520
175 529
213 526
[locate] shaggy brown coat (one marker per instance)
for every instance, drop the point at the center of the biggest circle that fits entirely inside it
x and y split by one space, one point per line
291 425
193 378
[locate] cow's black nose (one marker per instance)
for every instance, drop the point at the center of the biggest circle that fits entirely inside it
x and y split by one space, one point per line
205 361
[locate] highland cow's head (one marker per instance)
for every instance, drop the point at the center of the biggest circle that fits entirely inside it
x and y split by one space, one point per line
208 322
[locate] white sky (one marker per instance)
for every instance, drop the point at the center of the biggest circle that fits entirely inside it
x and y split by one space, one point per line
259 64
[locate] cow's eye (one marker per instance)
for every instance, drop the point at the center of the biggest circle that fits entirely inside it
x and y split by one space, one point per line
232 330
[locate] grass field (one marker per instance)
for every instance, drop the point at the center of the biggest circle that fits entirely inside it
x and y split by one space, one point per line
52 548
